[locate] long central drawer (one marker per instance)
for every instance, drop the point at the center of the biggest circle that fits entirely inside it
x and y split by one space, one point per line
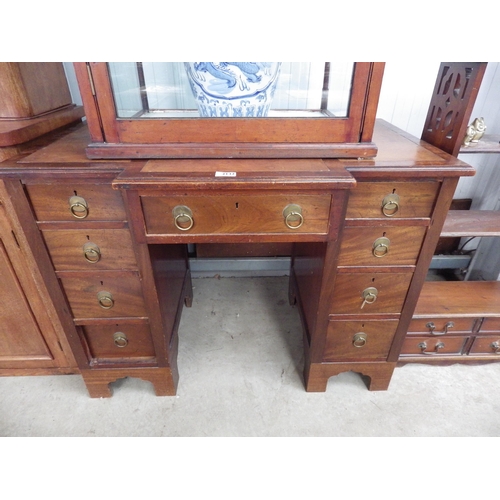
236 214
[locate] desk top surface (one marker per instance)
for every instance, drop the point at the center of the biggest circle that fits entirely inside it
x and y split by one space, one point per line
398 152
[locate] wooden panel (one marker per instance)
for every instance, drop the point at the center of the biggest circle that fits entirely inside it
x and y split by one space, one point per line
459 299
124 287
486 345
471 223
491 324
32 88
51 201
340 339
358 246
20 336
416 199
113 249
236 214
132 341
434 346
349 287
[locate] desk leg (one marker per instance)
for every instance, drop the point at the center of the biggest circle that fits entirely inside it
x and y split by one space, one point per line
377 376
164 380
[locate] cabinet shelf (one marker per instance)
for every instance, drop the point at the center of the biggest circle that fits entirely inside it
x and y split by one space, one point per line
489 143
459 299
464 223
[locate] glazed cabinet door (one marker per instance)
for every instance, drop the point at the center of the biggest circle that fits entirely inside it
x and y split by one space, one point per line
29 341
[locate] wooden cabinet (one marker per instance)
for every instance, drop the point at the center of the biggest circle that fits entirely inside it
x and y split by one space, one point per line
32 338
152 113
457 321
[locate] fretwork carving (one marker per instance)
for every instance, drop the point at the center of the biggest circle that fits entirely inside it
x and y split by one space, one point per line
455 92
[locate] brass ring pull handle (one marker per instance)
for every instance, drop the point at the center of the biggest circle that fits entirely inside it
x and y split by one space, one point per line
293 216
390 205
432 328
120 339
369 296
91 252
105 300
381 247
423 346
359 339
78 207
183 218
495 346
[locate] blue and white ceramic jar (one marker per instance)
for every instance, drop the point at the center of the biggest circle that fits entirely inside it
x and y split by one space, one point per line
233 89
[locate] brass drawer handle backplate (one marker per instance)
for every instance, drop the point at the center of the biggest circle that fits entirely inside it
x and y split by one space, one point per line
78 207
390 205
293 216
183 218
359 339
105 300
381 247
369 296
91 252
120 339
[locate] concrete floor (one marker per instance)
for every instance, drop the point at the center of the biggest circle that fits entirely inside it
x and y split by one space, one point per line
240 365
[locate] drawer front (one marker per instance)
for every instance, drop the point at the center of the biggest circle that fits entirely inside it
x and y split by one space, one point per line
415 345
104 295
441 326
486 345
120 340
359 339
236 214
370 293
90 249
380 246
491 325
78 202
392 199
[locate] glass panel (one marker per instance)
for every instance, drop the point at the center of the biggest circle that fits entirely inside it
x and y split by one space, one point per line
225 89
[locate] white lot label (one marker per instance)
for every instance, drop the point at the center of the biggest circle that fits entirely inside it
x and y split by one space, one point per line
225 174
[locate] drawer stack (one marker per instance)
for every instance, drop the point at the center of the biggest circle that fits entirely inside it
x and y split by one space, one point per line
385 226
86 232
454 322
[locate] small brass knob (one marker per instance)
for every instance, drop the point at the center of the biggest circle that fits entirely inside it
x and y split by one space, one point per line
183 218
390 205
91 252
120 339
369 296
293 216
105 300
78 207
359 339
381 247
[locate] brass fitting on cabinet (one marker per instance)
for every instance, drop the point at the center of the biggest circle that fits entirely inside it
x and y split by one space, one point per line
359 339
91 252
381 247
78 207
183 218
293 216
120 339
105 300
390 205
